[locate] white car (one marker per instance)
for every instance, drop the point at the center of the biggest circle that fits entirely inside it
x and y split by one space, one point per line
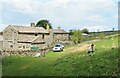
58 47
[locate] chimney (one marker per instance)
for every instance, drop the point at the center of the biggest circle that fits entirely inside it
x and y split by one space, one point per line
59 28
32 24
47 27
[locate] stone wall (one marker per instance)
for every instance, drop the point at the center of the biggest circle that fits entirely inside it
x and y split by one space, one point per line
24 46
22 53
61 37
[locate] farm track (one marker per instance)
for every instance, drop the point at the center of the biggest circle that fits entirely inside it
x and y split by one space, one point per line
80 47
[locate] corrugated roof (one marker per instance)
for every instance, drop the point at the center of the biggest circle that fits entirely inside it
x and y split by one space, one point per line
29 29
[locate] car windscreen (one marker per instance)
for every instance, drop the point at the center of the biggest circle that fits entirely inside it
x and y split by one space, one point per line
57 45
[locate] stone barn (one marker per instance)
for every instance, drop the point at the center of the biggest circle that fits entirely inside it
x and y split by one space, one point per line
58 35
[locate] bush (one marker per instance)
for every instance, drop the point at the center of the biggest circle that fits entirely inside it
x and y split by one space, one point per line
77 36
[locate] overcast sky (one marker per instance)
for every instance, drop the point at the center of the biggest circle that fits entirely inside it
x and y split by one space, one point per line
67 14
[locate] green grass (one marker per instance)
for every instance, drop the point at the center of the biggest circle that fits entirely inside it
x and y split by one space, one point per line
79 64
103 62
0 68
88 38
27 65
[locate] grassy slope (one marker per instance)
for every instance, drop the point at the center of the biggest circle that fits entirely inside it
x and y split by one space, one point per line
103 62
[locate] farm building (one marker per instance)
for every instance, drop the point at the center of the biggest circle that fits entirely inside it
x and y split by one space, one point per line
24 37
85 35
59 35
31 37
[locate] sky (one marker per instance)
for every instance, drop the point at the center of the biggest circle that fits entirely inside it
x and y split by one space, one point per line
67 14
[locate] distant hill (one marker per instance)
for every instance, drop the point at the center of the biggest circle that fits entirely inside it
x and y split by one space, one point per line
106 31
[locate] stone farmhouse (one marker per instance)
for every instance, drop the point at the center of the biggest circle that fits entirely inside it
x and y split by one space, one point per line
31 37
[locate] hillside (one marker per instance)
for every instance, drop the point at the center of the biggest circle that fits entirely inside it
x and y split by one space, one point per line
104 62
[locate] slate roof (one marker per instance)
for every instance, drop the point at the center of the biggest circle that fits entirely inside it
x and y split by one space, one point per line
29 29
58 31
30 39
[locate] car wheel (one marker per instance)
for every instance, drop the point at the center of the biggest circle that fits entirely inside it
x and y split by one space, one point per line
60 50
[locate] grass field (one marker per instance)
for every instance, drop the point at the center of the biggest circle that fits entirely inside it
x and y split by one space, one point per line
104 62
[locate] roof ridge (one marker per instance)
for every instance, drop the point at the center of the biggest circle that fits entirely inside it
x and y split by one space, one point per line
29 29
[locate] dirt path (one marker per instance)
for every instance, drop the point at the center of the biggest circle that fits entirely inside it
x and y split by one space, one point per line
80 47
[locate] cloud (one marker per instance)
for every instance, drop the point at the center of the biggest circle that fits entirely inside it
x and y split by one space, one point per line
96 18
67 13
19 5
34 6
3 26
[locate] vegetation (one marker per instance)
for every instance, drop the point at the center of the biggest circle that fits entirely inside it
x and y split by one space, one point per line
85 31
43 23
107 33
88 38
104 62
0 68
71 32
101 35
77 36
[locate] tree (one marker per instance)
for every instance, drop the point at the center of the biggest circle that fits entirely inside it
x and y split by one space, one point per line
71 32
43 23
77 36
85 31
113 29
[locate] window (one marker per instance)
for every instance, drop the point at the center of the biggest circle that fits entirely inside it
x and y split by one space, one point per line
36 34
23 47
43 36
20 47
27 46
57 45
11 46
